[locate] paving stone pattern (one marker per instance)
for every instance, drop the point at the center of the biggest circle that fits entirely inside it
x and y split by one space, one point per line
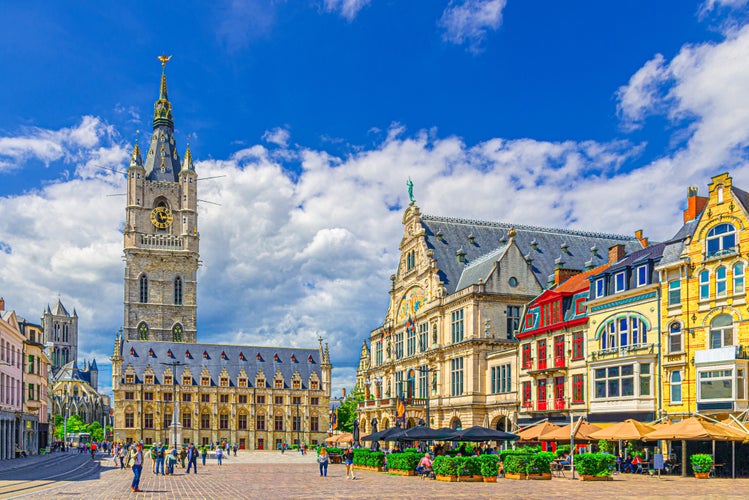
272 475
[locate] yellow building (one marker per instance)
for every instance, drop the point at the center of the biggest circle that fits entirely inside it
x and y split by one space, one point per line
704 309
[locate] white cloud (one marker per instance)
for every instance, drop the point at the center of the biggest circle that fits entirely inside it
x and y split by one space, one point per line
639 97
348 9
468 21
732 4
278 136
290 255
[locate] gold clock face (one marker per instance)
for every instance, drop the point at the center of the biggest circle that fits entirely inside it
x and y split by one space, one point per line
161 217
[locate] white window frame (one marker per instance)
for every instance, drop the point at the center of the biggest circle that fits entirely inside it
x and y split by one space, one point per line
642 275
738 278
704 278
721 281
600 287
674 384
617 287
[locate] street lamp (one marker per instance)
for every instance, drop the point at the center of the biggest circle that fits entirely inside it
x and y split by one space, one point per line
298 425
427 370
175 422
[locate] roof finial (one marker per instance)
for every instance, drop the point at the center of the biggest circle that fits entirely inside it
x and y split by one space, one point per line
162 109
136 159
410 185
187 163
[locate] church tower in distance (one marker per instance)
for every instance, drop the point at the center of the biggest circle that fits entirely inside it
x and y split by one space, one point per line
161 235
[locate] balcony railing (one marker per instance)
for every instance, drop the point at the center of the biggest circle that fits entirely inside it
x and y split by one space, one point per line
560 362
559 404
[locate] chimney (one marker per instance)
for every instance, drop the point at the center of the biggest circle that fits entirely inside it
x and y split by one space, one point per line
616 253
641 238
343 393
561 275
695 204
2 304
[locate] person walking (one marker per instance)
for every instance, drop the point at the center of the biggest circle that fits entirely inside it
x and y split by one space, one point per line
160 456
136 463
182 456
171 459
219 455
234 449
192 458
323 459
348 458
93 450
203 454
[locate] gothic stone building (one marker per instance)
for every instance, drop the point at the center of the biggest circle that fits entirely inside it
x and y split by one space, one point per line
167 387
447 342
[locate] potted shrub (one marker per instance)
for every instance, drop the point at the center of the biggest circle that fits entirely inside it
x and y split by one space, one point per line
702 463
445 468
489 467
539 465
515 465
403 464
595 466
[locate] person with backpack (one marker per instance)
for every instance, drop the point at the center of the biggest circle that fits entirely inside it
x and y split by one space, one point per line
171 459
219 455
192 458
160 457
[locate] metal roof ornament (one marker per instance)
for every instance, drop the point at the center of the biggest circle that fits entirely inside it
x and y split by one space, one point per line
410 185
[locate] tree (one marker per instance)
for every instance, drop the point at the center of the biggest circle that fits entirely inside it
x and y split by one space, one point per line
96 431
347 410
75 424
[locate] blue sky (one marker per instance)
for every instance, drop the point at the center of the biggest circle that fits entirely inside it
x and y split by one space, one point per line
593 115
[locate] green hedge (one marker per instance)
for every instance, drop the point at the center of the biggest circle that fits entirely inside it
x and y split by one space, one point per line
456 466
489 465
562 449
528 463
403 461
368 458
595 464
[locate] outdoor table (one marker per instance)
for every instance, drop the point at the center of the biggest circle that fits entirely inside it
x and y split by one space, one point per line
715 469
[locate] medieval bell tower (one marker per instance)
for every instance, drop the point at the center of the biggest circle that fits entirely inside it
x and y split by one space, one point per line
161 235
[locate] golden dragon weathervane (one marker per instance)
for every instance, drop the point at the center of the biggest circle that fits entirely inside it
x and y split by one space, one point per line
164 59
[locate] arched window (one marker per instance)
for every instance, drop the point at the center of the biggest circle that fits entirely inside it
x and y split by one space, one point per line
721 240
143 281
177 333
178 291
675 387
623 331
410 383
721 331
738 278
143 331
721 286
674 338
704 285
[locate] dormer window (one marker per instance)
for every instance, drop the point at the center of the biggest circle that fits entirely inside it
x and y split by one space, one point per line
169 353
242 382
276 358
149 379
186 380
205 381
224 356
205 354
241 356
261 382
620 282
224 382
259 357
129 379
151 353
293 358
314 385
278 384
600 287
310 359
188 355
296 384
642 275
168 380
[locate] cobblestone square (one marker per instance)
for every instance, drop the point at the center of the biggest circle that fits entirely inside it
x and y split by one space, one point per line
270 475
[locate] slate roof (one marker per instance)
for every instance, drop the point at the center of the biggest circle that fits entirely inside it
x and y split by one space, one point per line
579 282
742 196
70 371
171 163
675 246
59 309
137 354
542 245
652 252
481 268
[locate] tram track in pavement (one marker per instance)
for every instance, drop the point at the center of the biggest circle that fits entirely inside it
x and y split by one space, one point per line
33 481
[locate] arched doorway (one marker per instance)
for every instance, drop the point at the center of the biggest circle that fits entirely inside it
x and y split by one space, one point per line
410 423
500 423
456 424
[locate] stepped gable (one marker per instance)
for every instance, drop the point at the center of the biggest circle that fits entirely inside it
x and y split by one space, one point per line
137 354
542 245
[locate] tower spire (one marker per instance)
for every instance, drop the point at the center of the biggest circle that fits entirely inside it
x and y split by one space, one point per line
187 162
162 108
136 160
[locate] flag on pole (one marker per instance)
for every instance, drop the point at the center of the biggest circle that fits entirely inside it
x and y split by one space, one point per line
334 419
400 410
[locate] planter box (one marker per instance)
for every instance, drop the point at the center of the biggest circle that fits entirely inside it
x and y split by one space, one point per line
470 479
402 472
702 475
490 479
369 467
595 478
524 477
447 479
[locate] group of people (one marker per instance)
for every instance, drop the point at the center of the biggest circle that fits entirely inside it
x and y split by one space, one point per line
164 459
323 459
284 446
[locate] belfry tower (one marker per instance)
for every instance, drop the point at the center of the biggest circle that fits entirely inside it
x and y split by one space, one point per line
161 235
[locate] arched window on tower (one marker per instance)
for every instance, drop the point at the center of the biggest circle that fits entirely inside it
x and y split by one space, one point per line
178 291
177 333
143 281
65 335
56 332
143 331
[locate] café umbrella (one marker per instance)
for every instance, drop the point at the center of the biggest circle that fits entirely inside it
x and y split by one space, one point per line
629 430
534 433
697 429
478 434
